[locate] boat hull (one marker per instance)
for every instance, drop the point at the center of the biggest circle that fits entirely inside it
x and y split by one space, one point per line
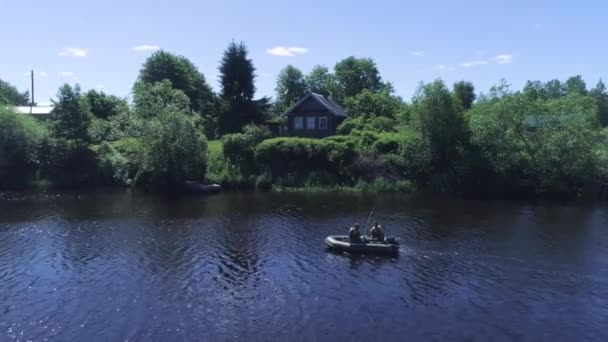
341 243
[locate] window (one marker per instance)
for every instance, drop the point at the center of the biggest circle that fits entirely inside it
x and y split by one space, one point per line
323 122
310 122
298 122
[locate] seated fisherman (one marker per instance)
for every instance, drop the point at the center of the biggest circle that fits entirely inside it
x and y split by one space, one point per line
354 235
376 232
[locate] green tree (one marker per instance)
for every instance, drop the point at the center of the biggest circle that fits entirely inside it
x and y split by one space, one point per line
105 106
554 89
183 75
318 80
11 96
576 85
535 90
601 97
465 94
174 149
237 74
20 137
291 87
71 115
353 75
436 116
370 104
151 99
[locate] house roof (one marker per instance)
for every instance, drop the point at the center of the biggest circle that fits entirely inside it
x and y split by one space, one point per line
332 106
34 110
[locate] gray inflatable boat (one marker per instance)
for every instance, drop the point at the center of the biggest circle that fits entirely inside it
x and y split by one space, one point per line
341 243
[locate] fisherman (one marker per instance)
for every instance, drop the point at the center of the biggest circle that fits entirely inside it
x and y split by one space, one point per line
354 235
376 232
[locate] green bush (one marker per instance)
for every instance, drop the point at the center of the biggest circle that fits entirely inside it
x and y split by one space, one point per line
20 137
113 167
68 162
388 143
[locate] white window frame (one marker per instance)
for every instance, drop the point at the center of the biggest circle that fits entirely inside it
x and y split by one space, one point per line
314 123
298 122
323 122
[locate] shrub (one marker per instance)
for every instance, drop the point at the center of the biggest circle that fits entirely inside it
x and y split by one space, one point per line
113 167
387 143
68 162
20 137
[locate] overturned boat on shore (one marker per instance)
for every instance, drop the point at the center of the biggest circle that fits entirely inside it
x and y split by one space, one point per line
341 243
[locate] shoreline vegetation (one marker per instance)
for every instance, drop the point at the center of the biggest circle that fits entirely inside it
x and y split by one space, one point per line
547 140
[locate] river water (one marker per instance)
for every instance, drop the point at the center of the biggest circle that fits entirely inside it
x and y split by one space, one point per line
120 265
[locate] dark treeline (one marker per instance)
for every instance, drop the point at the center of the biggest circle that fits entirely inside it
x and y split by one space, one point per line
547 139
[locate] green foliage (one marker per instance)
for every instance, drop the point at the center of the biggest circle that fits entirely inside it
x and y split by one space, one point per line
68 162
319 80
183 75
436 116
71 115
291 87
465 94
11 96
152 98
174 150
368 103
601 99
239 148
113 167
283 156
20 137
237 74
105 106
555 154
353 75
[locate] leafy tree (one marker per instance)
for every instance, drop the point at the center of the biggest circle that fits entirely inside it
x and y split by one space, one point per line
151 99
318 80
71 115
535 90
174 150
20 137
601 97
105 106
291 86
370 104
465 94
436 116
10 95
554 89
237 74
576 85
353 75
183 75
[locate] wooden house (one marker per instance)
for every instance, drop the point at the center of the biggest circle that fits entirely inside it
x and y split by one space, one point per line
314 116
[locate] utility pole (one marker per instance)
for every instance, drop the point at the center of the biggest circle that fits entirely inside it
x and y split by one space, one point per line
32 104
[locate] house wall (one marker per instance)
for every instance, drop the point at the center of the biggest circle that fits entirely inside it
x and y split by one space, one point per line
313 132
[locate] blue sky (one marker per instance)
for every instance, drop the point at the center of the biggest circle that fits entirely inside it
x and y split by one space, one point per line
95 43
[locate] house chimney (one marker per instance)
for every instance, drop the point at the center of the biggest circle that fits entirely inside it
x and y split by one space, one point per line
32 104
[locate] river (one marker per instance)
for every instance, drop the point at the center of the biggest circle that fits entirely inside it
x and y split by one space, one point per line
120 265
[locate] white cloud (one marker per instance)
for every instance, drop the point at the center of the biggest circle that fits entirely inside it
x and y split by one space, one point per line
473 63
287 51
66 73
503 59
73 52
145 47
416 53
43 74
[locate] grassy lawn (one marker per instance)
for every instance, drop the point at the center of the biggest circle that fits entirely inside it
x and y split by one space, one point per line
214 146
